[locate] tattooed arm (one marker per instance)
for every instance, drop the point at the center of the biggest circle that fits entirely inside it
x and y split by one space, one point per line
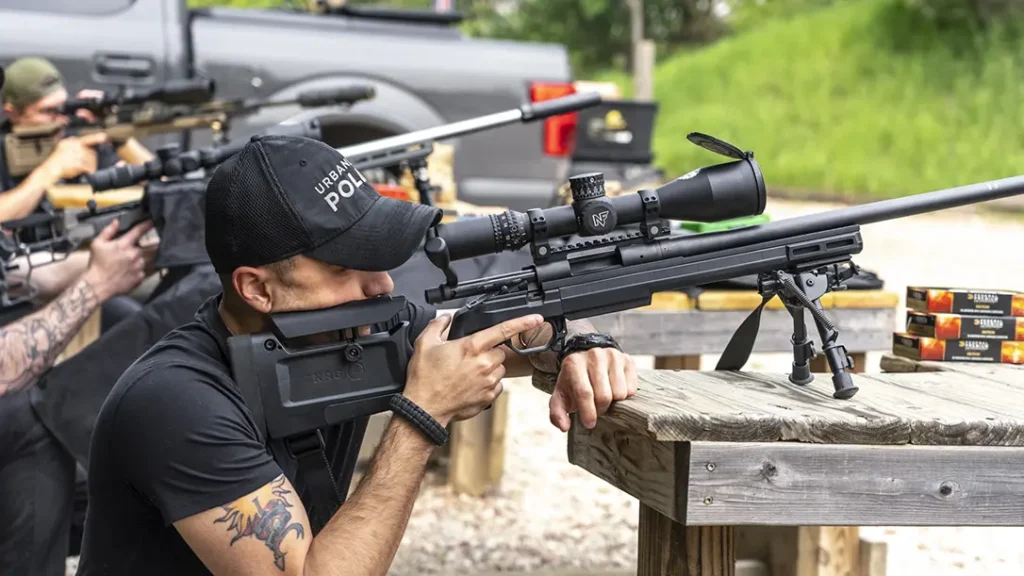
267 530
29 346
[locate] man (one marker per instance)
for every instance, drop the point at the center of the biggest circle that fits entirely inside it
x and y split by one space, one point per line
180 479
32 96
36 474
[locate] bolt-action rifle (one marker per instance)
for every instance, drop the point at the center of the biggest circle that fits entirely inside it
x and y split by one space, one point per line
27 147
596 256
64 230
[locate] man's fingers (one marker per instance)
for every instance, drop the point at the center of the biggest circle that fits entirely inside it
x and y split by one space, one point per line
581 389
559 408
617 376
499 333
108 231
93 139
631 376
597 369
132 236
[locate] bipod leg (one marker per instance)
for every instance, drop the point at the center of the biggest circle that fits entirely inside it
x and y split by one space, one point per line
803 347
838 360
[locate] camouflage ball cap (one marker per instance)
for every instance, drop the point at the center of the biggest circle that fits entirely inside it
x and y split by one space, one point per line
29 79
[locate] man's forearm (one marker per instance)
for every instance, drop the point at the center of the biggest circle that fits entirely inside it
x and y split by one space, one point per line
21 200
29 347
363 536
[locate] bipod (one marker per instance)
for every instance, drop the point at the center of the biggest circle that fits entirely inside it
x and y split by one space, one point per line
803 291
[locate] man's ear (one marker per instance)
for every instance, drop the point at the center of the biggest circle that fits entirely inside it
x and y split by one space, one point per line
10 111
251 286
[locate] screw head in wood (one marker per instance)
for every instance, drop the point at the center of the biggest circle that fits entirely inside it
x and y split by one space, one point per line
711 466
708 500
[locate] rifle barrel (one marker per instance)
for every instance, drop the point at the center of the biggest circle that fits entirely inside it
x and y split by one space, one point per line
862 214
525 113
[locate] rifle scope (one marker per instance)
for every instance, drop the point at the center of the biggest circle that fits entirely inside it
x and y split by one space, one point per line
710 194
180 91
170 162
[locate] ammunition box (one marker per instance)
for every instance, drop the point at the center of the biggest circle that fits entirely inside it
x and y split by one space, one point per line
965 301
955 326
963 350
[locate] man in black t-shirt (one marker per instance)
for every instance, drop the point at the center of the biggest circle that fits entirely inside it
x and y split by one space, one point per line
32 95
180 480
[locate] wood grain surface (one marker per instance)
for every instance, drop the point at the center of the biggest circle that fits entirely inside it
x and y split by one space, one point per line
928 408
807 484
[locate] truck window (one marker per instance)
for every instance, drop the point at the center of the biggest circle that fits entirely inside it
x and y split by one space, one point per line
85 7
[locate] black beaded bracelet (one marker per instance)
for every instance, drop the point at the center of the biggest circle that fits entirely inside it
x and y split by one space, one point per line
419 418
581 342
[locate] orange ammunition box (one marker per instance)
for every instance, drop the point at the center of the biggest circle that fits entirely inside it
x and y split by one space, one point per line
966 301
963 350
956 326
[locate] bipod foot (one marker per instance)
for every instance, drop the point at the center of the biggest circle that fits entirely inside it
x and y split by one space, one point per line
801 292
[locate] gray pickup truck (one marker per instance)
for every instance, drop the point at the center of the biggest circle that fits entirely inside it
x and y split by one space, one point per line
425 71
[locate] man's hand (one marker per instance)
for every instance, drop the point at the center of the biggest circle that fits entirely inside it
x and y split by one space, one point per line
75 155
93 95
457 379
118 266
588 383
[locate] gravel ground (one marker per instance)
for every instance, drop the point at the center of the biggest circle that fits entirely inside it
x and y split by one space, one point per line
548 515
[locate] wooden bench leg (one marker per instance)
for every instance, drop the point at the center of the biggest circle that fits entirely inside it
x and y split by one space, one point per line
667 548
802 550
677 363
477 451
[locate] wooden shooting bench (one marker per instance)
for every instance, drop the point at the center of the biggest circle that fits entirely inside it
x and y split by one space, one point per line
677 329
735 465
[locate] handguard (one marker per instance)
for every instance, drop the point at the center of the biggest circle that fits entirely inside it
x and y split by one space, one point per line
312 370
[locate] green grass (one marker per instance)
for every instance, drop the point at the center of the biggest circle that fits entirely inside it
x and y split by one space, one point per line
858 100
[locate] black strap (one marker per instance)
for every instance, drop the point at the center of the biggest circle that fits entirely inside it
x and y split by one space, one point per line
317 488
418 417
738 350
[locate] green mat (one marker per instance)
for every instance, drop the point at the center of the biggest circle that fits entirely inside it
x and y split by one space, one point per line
724 224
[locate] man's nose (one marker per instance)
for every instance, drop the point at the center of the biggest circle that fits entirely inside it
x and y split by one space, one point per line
378 284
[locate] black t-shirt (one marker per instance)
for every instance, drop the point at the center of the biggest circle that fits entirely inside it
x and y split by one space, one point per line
106 156
174 438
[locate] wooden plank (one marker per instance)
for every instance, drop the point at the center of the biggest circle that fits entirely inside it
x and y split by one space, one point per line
873 559
677 363
801 550
477 452
78 195
796 484
669 301
936 408
667 548
746 300
688 333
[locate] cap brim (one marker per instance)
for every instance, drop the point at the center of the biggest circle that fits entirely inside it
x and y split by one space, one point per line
383 239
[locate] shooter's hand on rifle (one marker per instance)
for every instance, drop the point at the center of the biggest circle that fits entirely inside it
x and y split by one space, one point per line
457 379
118 266
84 113
75 155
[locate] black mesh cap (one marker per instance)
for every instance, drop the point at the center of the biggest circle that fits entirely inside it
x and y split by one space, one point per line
284 195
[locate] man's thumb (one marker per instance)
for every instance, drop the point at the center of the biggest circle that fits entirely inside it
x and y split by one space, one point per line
435 330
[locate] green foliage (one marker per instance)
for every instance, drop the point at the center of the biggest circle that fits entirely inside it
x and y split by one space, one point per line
864 99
